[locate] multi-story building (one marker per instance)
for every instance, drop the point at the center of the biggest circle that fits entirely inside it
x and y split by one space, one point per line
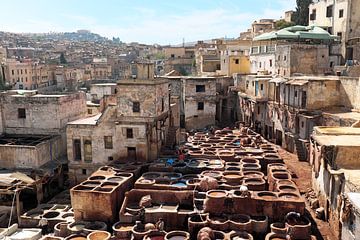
285 110
235 57
299 49
339 17
19 74
133 129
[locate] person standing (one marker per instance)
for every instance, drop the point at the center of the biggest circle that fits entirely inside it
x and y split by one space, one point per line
44 225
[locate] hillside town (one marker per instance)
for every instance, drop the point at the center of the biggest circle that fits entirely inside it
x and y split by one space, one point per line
253 137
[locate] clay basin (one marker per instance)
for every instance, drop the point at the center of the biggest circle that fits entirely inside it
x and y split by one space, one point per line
281 175
232 164
251 167
219 235
172 176
177 235
216 194
116 179
189 177
233 177
146 181
267 195
51 214
287 188
122 230
240 236
253 174
124 174
289 196
91 183
278 227
34 213
76 237
83 188
213 174
133 208
151 175
99 235
249 160
99 177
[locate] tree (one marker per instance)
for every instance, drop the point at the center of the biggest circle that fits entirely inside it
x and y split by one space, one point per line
301 16
62 59
280 24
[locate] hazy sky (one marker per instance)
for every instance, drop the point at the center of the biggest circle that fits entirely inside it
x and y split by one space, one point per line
146 21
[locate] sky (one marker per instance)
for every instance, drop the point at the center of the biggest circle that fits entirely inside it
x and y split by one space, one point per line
145 21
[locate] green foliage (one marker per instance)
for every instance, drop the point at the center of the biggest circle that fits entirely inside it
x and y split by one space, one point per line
182 71
280 24
301 16
62 59
159 55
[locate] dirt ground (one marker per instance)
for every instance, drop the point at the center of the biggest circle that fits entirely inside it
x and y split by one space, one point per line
302 177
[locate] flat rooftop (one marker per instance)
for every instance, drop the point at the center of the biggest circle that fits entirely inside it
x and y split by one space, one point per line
336 131
24 140
338 140
141 82
86 121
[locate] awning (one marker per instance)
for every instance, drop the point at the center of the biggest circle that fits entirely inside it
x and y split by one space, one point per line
278 80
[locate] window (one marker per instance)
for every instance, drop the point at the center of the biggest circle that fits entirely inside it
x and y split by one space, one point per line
77 150
87 151
25 71
89 111
302 124
110 158
259 64
108 142
84 171
236 61
172 55
131 153
295 93
341 13
136 107
200 105
12 72
258 109
21 113
313 15
162 104
200 88
329 11
285 58
129 133
330 30
21 71
261 87
339 34
270 61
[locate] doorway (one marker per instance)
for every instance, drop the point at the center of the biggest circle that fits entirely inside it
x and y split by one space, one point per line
131 153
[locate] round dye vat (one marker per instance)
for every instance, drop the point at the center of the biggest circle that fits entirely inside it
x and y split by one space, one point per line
217 194
179 184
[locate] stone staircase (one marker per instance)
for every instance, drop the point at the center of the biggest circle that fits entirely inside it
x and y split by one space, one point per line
301 149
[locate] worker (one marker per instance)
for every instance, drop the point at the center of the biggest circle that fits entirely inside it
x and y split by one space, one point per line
44 225
160 224
244 191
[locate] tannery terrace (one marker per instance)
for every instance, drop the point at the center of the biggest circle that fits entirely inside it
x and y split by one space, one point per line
255 136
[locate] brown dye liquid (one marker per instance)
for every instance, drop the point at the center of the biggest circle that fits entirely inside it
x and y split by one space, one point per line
78 238
232 176
217 194
124 228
